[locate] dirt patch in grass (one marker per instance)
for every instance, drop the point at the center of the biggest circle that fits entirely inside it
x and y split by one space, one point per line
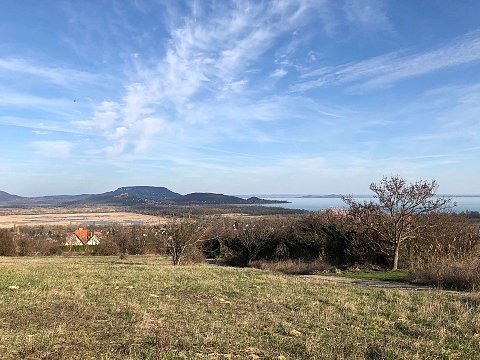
383 284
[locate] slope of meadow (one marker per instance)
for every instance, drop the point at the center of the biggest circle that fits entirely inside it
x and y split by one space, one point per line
141 307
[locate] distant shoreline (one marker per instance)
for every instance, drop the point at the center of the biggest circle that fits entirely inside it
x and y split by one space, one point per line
339 196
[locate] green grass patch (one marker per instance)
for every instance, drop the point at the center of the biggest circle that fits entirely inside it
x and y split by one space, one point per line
367 274
142 307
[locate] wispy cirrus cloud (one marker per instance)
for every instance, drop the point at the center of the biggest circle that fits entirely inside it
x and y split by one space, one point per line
11 99
205 66
58 75
39 125
388 69
40 132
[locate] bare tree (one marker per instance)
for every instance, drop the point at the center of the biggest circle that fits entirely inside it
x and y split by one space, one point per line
182 236
392 217
253 238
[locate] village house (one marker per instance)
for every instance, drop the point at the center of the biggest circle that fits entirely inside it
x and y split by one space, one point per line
94 239
83 237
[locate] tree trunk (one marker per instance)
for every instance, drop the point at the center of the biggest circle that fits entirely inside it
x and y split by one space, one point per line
395 258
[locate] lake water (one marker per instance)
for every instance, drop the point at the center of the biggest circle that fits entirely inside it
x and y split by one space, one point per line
315 204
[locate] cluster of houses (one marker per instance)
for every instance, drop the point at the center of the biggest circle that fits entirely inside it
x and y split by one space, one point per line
83 237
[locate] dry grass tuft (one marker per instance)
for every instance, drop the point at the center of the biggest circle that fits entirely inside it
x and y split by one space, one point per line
292 267
452 274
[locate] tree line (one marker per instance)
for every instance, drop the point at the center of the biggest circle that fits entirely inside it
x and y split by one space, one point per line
405 226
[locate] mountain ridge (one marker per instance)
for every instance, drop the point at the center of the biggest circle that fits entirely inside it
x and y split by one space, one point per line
133 196
4 196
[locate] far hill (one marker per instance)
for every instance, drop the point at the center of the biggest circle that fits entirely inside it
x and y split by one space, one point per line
133 196
4 196
209 198
149 195
257 200
220 199
155 193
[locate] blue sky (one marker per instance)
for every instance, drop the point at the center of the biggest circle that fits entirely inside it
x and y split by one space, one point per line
238 97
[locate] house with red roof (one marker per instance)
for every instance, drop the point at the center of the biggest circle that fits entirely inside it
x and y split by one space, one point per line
83 237
94 239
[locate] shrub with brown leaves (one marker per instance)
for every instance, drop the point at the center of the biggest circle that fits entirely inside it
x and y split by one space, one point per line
7 244
107 247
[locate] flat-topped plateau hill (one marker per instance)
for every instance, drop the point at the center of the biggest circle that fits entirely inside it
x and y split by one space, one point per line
131 196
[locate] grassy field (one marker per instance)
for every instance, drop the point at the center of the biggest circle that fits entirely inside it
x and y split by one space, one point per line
141 307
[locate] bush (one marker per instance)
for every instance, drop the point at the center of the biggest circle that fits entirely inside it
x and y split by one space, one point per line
106 247
326 234
337 240
334 237
25 246
183 240
37 245
292 267
135 239
193 255
55 249
449 236
7 244
449 273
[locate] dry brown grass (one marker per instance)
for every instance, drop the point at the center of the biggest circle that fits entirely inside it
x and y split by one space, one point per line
141 307
292 267
76 218
451 274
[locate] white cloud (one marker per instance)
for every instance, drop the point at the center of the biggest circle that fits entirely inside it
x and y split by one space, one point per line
279 73
39 124
40 132
57 75
388 69
145 130
13 99
105 116
115 148
368 14
55 149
